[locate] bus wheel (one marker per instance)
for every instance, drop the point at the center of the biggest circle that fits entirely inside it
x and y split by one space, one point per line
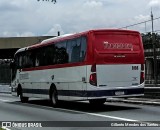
54 97
23 99
97 101
20 93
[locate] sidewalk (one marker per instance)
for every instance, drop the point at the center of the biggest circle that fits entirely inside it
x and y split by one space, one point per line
140 100
151 97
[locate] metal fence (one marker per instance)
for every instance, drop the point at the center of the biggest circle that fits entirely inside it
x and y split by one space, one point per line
5 73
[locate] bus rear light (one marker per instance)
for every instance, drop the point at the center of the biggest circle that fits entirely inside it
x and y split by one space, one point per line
93 79
142 67
142 74
142 78
93 68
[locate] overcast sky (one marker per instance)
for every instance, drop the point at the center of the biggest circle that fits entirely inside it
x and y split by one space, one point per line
33 18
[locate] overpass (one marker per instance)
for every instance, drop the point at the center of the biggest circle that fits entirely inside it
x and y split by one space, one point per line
9 45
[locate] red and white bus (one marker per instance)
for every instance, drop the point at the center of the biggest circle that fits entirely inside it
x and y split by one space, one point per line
92 65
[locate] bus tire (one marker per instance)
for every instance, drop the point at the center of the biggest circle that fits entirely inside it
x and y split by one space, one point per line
54 97
20 93
97 101
23 99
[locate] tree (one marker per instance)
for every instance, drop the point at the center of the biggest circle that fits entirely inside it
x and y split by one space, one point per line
49 0
147 40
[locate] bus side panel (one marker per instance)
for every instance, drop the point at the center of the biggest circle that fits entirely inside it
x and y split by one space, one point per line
77 87
26 83
31 82
42 83
70 82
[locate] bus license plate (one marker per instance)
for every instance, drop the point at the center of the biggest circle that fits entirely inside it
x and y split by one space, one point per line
118 93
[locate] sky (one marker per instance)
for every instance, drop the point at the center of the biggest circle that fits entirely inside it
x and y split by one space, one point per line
22 18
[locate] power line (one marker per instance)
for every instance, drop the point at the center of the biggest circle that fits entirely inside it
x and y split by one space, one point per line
155 31
139 23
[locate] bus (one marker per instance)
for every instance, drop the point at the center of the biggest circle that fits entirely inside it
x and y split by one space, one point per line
93 65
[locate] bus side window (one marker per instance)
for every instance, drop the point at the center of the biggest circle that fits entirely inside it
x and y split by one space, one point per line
75 55
30 59
36 62
76 49
27 59
50 54
41 56
37 58
61 56
45 56
83 48
20 61
73 50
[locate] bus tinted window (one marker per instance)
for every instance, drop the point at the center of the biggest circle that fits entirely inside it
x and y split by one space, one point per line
49 55
76 49
40 55
73 50
25 60
37 57
61 55
83 48
29 59
69 51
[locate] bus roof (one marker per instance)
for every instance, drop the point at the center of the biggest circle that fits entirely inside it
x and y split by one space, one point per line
68 36
55 38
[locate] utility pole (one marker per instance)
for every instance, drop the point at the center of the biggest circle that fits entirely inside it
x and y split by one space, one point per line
154 51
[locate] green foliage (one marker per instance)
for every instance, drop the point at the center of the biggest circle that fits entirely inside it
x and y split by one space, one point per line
147 40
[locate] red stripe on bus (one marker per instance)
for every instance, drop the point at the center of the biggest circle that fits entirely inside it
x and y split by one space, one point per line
54 66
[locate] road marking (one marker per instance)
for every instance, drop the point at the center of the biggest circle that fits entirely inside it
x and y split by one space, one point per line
100 115
6 128
93 114
88 113
112 117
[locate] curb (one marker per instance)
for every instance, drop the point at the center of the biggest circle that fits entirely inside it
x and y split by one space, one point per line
137 101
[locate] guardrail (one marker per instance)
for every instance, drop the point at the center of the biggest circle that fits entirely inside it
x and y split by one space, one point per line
5 89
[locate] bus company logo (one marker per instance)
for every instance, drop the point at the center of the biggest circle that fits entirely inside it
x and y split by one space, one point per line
6 124
108 45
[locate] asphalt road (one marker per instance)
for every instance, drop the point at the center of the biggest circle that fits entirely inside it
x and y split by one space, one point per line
81 115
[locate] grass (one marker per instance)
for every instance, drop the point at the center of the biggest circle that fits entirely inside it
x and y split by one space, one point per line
2 129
